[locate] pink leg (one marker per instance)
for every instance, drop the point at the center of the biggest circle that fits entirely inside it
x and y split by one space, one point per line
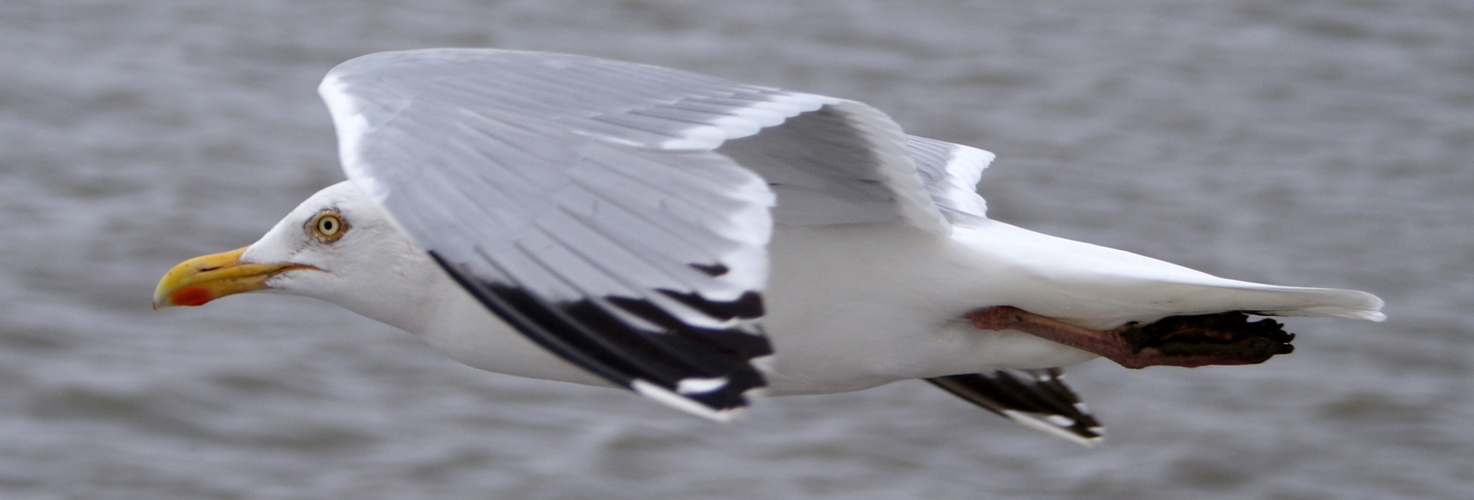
1188 341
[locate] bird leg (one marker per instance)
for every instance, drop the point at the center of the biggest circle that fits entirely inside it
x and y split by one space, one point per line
1189 341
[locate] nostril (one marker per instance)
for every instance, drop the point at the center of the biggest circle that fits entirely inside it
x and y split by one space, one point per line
208 269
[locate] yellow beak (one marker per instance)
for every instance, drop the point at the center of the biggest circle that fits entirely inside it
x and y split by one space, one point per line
202 279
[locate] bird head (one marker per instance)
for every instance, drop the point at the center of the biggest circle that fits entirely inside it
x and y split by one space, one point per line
337 246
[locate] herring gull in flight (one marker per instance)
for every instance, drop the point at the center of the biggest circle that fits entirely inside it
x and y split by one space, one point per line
701 241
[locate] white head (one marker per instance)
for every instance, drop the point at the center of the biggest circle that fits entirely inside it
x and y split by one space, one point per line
337 246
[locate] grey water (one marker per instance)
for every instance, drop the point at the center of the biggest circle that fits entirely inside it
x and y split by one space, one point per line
1306 142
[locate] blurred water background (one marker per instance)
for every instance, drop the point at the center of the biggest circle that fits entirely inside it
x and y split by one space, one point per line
1309 142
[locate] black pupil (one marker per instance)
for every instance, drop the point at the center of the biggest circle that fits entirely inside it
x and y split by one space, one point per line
327 225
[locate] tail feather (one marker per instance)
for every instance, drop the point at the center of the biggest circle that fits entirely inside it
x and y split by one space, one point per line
1329 302
1104 287
1272 300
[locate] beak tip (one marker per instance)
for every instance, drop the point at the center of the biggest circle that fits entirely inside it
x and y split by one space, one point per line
162 301
208 277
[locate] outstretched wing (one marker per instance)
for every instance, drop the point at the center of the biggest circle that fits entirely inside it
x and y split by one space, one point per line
616 213
1038 399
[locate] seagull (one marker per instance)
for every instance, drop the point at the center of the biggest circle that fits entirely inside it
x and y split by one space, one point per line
702 242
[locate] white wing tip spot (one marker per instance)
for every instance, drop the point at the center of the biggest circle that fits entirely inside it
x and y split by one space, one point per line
673 400
1060 420
696 385
1049 426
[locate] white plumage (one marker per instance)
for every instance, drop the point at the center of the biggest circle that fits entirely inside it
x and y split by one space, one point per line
569 218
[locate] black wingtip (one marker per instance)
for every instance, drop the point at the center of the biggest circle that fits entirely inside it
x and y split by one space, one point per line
1038 399
698 370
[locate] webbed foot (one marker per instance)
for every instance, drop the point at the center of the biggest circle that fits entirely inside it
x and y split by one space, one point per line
1207 339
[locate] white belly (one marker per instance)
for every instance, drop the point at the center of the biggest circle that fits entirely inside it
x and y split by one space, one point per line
855 317
855 306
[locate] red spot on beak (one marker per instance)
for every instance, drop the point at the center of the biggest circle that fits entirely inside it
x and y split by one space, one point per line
191 296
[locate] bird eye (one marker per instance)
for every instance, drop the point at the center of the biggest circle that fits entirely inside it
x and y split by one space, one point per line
328 226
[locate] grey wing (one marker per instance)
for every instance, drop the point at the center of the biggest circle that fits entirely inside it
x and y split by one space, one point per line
1038 399
950 174
608 210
